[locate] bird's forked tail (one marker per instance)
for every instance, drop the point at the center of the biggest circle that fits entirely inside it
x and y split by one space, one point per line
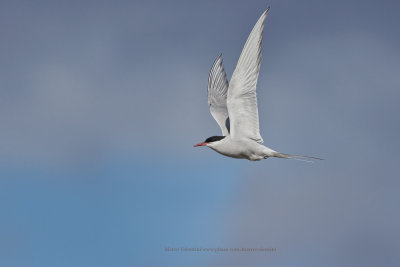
296 157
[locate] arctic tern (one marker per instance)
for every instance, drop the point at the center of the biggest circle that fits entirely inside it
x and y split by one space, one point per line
234 105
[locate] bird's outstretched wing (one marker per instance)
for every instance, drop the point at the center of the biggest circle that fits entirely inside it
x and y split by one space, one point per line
217 93
242 98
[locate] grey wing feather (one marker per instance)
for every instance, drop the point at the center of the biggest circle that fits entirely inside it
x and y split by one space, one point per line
217 94
242 98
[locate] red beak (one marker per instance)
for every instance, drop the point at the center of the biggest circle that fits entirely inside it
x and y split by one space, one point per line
200 144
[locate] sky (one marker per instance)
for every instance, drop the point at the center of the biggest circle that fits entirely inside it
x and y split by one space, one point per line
101 103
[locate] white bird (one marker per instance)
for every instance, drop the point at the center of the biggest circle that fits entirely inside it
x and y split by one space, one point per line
234 105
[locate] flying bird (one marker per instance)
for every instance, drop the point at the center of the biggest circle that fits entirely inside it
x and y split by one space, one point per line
234 105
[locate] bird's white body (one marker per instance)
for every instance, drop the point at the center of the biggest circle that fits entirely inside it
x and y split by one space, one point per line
241 148
234 105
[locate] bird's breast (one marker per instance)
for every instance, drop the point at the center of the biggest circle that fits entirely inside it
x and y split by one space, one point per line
238 149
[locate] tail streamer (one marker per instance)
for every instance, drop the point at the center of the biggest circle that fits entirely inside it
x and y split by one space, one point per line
296 157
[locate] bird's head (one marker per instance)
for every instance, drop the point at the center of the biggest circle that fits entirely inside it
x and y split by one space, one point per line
210 141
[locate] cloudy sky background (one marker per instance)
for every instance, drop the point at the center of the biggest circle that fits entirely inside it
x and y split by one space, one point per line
101 102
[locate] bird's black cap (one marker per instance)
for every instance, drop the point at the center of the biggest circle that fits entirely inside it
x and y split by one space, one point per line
213 139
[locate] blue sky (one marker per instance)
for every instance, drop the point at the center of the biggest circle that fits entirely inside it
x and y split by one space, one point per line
101 102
